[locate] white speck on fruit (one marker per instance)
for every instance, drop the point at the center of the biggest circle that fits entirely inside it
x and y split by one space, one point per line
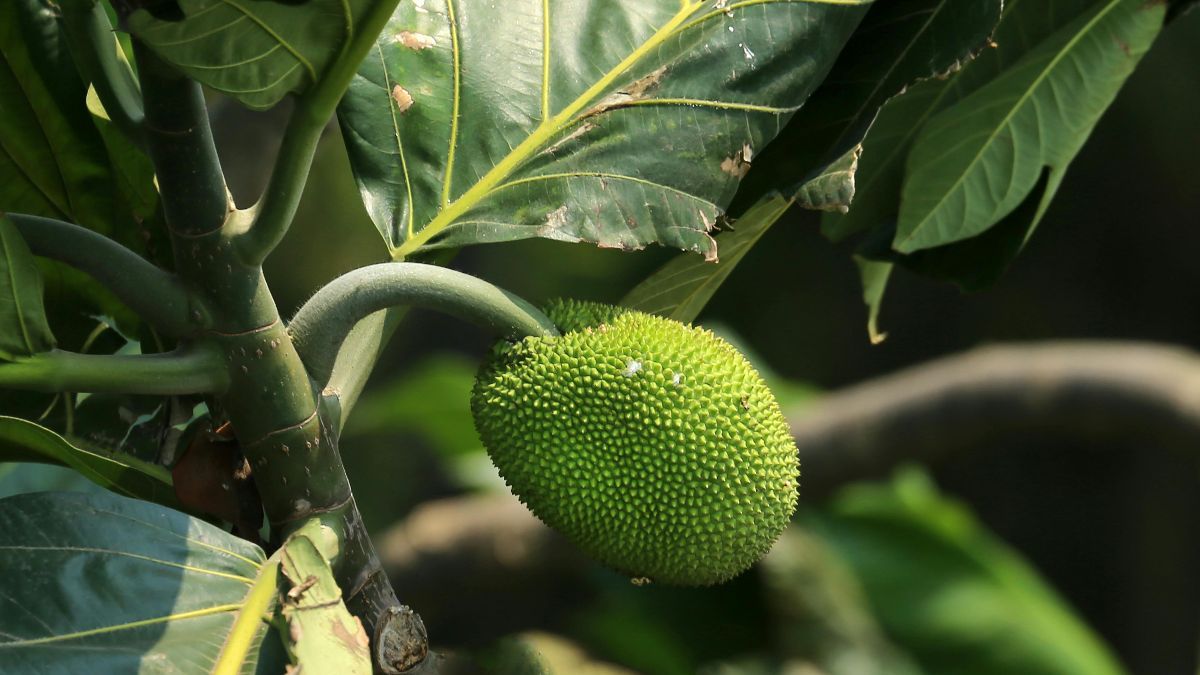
632 368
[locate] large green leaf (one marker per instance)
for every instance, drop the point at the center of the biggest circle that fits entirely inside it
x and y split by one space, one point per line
256 51
898 43
976 162
24 330
24 441
103 584
683 286
618 122
947 592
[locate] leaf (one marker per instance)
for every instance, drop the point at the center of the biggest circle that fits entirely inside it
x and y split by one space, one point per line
681 288
594 120
833 188
1023 26
947 592
874 277
100 583
21 477
53 161
898 43
24 330
976 263
976 162
57 159
25 441
321 634
256 51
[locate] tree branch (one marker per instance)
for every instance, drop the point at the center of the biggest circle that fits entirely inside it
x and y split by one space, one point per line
323 323
98 56
277 208
180 143
155 295
925 413
189 370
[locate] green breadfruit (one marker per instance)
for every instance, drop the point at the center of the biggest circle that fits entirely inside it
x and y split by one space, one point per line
652 445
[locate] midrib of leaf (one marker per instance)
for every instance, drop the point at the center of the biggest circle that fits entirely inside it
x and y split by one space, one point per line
1067 49
12 288
253 610
456 99
539 137
196 613
546 58
134 556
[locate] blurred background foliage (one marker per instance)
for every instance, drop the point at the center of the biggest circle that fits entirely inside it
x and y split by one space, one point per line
885 578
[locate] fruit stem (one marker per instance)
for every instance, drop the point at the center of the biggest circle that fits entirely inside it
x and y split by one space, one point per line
323 323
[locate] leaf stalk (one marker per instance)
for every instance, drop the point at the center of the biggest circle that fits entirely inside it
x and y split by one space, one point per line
274 213
98 56
194 369
155 295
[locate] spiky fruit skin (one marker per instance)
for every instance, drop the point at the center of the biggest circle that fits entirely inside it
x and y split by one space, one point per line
652 445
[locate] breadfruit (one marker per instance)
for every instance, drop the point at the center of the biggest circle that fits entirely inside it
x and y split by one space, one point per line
652 445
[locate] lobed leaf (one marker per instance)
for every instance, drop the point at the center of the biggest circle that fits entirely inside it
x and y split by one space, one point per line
580 120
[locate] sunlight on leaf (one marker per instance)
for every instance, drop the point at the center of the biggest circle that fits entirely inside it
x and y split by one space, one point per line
588 120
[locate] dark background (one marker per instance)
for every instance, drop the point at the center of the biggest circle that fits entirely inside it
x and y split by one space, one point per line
1115 528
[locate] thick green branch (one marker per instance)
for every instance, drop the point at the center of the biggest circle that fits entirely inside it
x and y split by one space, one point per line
154 294
180 143
313 111
97 55
323 323
190 370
